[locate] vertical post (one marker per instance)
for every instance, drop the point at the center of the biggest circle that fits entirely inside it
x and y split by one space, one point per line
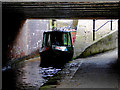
111 24
75 23
93 29
53 24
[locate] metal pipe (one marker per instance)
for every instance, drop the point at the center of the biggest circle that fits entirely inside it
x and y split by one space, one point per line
93 29
111 24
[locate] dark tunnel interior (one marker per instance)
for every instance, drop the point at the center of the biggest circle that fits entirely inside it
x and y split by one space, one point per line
14 16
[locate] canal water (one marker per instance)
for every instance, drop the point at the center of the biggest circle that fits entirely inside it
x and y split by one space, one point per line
27 75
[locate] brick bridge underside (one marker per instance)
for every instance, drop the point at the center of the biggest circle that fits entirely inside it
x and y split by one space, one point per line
14 15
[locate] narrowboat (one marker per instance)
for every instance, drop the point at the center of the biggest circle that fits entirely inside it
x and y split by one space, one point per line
57 48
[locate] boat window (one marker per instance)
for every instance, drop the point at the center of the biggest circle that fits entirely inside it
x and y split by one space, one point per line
47 40
69 40
65 38
60 39
44 37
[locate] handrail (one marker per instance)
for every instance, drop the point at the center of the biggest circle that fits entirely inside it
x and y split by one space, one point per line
104 25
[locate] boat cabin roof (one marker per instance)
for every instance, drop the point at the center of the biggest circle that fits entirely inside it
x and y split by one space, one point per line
56 31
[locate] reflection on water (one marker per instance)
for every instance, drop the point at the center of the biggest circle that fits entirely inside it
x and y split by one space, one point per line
48 72
27 75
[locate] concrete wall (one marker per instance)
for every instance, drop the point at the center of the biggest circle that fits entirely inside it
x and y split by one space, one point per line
84 36
66 22
108 42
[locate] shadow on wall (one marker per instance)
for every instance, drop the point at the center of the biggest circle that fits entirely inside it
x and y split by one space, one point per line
28 41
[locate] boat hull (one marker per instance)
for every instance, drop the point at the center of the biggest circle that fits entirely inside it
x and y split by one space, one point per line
54 58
